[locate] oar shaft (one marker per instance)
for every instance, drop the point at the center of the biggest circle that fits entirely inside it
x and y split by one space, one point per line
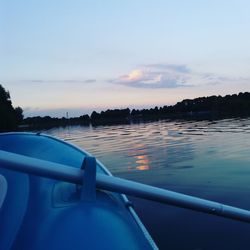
171 198
39 167
69 174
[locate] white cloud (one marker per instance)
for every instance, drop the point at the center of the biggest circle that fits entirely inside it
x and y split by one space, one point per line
156 76
170 76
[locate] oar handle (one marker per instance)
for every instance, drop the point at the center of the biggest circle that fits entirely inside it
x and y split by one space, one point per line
65 173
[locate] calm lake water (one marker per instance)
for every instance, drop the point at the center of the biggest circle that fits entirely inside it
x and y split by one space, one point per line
208 159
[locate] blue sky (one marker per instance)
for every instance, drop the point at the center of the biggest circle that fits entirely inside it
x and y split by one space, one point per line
79 56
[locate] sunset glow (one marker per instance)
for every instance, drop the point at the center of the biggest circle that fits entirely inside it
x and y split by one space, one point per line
133 75
121 54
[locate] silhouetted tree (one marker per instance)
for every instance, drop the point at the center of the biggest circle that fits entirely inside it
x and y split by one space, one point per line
10 118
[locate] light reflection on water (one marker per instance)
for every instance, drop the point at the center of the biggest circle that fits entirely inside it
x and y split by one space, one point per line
143 162
209 159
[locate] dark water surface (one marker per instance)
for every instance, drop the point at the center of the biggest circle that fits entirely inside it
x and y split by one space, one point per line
208 159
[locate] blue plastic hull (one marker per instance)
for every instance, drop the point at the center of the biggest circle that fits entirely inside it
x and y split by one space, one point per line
40 213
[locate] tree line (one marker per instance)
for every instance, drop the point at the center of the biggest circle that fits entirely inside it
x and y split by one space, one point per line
211 107
203 107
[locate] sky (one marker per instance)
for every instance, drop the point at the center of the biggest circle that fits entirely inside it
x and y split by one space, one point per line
83 55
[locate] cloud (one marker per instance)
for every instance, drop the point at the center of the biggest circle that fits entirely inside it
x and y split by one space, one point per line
213 79
156 76
170 76
60 81
181 68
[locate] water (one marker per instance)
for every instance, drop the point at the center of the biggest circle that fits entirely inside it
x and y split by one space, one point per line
208 159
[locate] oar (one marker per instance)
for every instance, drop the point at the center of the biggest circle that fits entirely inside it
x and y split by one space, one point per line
73 175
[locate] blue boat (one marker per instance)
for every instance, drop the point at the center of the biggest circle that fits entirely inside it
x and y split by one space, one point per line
54 195
42 213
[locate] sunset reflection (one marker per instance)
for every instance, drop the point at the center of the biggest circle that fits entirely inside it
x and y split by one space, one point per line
143 162
138 153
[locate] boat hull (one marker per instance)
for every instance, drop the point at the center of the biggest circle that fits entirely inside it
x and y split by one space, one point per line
41 213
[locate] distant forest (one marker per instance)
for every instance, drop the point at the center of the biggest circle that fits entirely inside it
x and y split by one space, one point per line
212 107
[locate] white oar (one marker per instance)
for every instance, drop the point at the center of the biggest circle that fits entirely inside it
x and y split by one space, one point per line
69 174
